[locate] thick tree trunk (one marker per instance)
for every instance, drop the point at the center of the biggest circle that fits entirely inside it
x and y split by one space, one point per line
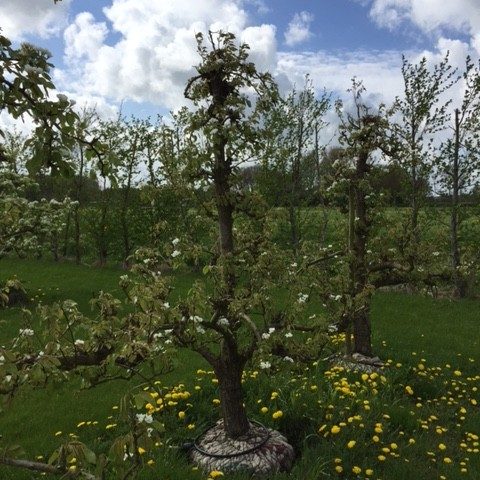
362 332
221 174
229 374
229 367
358 235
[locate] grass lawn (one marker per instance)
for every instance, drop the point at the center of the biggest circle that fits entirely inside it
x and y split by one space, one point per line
432 345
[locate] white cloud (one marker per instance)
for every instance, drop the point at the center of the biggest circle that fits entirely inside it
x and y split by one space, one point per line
379 70
263 46
298 29
84 37
475 43
428 15
156 51
37 17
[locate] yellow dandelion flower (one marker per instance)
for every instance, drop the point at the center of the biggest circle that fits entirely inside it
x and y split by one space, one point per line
335 429
215 474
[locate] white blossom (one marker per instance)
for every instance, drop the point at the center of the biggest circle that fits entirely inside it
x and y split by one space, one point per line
289 335
288 359
26 332
141 417
222 321
79 343
336 297
175 241
175 253
302 297
265 365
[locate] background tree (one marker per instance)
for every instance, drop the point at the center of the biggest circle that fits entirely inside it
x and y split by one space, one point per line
85 122
230 140
459 164
130 144
422 112
362 134
293 155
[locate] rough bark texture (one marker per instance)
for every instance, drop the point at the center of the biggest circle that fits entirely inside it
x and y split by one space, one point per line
229 373
230 364
359 227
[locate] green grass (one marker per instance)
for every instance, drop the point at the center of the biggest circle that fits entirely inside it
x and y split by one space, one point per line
407 329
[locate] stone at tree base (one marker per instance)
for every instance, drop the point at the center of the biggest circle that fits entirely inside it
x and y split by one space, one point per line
273 455
358 362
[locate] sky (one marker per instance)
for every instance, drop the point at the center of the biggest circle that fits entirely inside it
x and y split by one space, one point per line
140 53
